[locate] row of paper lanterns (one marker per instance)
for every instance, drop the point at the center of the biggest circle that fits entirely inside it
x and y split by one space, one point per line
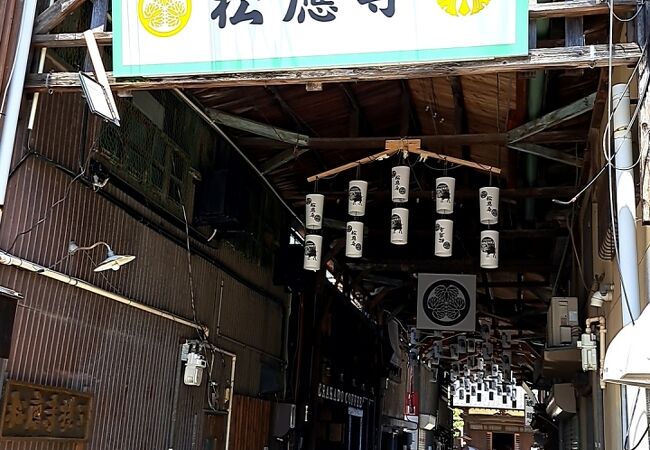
357 196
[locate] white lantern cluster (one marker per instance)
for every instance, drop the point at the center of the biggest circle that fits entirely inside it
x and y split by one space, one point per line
444 232
476 376
489 215
399 219
357 198
314 204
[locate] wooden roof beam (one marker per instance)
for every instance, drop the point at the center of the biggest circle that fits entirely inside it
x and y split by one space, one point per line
552 119
547 153
358 123
577 8
56 14
260 129
70 40
544 58
431 141
289 111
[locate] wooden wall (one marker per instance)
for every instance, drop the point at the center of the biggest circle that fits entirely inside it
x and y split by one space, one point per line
251 418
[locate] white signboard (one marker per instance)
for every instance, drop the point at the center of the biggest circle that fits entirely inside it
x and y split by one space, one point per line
446 302
529 411
485 400
172 37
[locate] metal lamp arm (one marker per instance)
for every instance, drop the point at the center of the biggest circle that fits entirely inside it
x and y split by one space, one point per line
95 245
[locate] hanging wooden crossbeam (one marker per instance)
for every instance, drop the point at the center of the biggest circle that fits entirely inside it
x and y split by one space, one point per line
407 146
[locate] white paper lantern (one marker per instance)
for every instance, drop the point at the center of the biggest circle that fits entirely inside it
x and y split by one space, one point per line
313 247
401 181
444 237
357 194
314 211
489 249
399 226
489 205
445 188
354 240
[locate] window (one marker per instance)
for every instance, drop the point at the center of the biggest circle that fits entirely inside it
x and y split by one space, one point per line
143 156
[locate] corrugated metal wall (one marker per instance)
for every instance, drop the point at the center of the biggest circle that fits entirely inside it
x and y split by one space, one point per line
126 358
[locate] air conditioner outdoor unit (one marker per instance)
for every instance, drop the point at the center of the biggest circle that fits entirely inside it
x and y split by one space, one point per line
562 320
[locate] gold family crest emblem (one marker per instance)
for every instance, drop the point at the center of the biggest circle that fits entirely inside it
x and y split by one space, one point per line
164 18
463 7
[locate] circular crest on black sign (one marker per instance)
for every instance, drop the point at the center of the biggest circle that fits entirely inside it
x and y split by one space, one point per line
446 303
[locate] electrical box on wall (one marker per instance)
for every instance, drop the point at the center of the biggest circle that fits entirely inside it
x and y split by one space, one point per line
562 321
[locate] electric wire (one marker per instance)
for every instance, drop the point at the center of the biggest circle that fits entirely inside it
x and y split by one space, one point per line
62 199
629 19
641 439
629 127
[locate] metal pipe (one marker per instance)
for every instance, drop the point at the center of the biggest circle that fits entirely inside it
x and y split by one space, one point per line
232 394
602 330
625 203
11 260
15 95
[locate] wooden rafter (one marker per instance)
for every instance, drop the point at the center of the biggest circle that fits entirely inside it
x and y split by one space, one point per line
431 141
260 129
357 120
544 58
281 159
577 8
547 153
289 111
552 119
56 14
67 40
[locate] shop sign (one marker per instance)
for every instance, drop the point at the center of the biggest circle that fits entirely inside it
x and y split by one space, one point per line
182 37
32 412
446 302
529 411
340 396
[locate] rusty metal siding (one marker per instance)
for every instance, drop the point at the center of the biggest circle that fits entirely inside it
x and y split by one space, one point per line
74 339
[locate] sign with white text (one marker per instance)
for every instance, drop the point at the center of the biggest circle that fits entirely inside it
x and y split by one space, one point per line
178 37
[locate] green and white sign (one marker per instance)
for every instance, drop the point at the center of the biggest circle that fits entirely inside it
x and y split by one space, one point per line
183 37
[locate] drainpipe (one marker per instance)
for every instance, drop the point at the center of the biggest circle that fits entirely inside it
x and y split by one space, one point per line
625 203
15 95
536 87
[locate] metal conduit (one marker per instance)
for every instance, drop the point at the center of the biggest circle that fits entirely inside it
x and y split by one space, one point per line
11 260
